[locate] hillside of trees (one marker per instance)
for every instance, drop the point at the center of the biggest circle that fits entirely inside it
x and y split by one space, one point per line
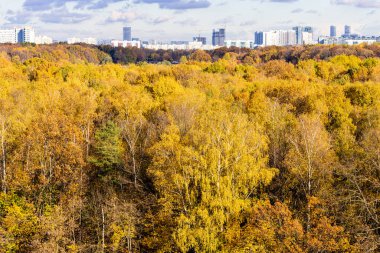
53 53
292 54
244 152
83 53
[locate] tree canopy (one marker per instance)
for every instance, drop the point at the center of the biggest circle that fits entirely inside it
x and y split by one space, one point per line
267 150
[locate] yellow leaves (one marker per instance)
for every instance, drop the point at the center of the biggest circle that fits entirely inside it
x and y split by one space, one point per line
311 156
209 173
201 56
279 69
267 228
118 234
18 224
346 60
308 69
194 155
37 69
351 68
324 234
166 86
4 61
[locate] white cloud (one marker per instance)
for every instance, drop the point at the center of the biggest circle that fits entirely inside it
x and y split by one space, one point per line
358 3
120 16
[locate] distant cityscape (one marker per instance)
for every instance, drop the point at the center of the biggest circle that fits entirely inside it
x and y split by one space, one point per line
298 35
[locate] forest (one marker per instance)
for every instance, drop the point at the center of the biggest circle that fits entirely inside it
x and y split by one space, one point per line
267 150
291 54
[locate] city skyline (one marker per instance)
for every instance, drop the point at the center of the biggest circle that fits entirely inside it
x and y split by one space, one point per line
184 19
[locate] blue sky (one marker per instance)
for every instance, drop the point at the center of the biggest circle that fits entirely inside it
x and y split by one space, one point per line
167 20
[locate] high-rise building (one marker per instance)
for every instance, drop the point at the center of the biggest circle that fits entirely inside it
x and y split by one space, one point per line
27 35
127 33
333 31
200 39
298 30
17 35
307 38
276 38
9 36
286 37
347 30
259 38
308 29
300 33
218 37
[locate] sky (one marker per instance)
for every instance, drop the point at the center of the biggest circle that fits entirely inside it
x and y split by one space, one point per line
167 20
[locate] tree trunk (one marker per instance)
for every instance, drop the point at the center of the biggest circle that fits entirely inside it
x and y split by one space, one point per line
87 134
3 154
103 231
134 169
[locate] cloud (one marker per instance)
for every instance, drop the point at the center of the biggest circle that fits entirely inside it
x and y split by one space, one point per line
224 21
121 16
57 12
298 10
312 12
63 16
43 5
178 4
160 20
17 18
36 5
248 23
283 1
222 3
358 3
54 16
188 22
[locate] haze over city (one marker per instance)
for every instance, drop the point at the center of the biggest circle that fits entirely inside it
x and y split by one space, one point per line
183 19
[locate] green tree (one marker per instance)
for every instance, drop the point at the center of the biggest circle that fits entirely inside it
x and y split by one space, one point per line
108 148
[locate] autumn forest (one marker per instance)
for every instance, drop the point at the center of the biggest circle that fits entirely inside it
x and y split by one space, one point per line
268 150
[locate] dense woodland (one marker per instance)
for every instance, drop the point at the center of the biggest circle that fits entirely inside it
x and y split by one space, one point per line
269 150
292 54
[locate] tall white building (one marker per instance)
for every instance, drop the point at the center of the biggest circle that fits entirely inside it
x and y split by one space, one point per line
283 38
27 35
9 36
307 38
286 37
276 38
17 35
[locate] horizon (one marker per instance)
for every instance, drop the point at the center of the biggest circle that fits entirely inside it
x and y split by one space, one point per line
171 20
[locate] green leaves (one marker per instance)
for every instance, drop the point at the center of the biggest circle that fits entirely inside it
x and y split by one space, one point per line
108 149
